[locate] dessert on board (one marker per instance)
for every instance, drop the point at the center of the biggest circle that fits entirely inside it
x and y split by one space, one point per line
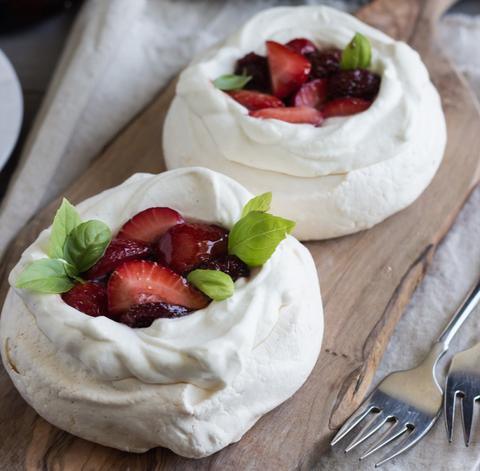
166 311
169 310
340 121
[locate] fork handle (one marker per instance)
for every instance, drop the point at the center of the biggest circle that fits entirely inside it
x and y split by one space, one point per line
460 316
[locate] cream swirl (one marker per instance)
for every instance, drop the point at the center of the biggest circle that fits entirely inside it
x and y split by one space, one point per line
312 168
208 348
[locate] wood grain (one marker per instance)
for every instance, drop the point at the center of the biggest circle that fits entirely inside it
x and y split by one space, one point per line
367 279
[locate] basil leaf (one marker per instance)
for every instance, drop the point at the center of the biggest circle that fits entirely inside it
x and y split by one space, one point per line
259 203
66 219
357 54
86 244
254 238
45 276
231 81
215 284
72 272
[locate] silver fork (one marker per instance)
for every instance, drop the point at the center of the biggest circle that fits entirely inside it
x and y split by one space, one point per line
410 400
463 381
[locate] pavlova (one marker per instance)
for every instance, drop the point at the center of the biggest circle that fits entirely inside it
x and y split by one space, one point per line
167 311
340 121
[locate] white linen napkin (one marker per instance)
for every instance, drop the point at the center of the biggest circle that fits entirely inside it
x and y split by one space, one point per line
119 54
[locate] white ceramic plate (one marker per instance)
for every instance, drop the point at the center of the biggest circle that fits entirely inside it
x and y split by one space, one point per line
11 109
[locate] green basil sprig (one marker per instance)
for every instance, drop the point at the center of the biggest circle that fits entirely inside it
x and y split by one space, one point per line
45 276
73 248
357 54
65 220
259 203
254 238
231 81
86 243
215 284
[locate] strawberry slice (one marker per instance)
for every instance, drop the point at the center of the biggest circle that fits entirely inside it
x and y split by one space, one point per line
301 46
345 107
89 298
256 100
288 69
150 224
185 246
312 94
143 315
142 281
299 115
119 251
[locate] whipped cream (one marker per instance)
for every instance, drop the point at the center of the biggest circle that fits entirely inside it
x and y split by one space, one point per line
193 384
346 175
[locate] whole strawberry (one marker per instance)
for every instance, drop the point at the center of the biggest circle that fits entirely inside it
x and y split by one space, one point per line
324 63
143 315
255 66
229 264
358 83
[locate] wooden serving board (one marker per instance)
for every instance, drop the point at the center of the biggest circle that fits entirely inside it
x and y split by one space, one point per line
366 280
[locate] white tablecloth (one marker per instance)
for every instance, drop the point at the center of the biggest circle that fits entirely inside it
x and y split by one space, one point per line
120 54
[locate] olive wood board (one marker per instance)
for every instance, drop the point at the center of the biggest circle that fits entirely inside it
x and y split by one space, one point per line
367 280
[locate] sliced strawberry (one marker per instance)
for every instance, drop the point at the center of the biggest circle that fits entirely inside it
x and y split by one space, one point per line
312 94
150 224
300 115
119 251
143 315
288 69
142 281
185 246
301 46
89 298
256 100
345 107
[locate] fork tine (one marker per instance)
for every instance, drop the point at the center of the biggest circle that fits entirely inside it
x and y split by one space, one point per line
353 421
449 407
467 406
394 432
378 420
413 437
